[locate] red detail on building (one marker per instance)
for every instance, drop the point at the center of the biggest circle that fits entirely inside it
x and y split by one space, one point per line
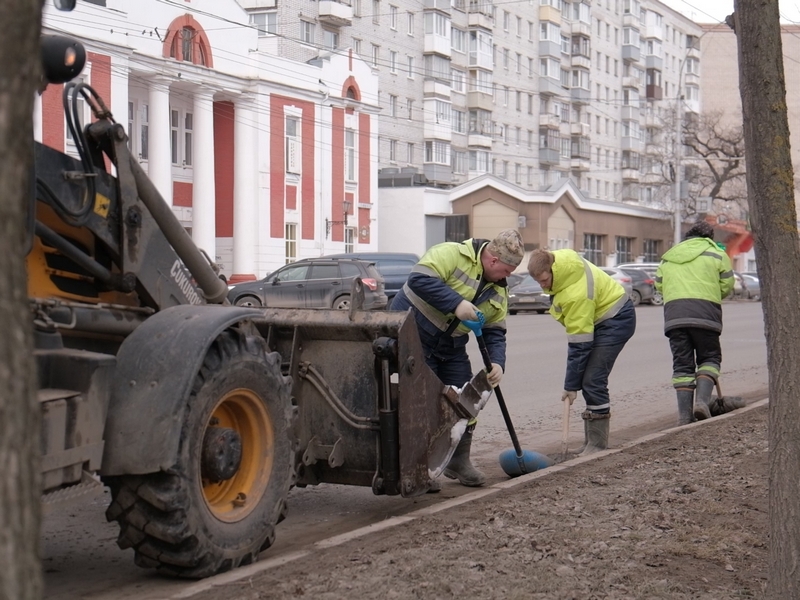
53 126
223 167
364 172
277 165
101 82
350 88
291 197
337 175
181 193
197 40
237 278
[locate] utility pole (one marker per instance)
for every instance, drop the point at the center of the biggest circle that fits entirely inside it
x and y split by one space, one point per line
678 152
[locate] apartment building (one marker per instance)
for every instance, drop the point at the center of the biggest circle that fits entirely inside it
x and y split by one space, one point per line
531 92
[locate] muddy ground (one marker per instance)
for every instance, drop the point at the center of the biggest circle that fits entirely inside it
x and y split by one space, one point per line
682 516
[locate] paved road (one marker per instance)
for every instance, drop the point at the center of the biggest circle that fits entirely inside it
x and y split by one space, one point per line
81 559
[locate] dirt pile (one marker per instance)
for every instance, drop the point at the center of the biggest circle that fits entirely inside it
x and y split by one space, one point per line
682 516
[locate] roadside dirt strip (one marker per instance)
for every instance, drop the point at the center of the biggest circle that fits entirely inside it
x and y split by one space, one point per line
677 514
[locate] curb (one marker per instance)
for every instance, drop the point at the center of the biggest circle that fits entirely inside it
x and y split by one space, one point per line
244 573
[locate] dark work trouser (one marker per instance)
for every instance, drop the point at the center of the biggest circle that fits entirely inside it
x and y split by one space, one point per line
695 352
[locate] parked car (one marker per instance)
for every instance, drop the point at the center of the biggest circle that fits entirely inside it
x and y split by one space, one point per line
621 277
643 286
527 295
739 288
753 286
313 283
650 268
515 279
394 267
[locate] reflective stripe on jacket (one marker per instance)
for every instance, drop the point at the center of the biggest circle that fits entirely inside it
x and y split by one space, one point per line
694 276
583 295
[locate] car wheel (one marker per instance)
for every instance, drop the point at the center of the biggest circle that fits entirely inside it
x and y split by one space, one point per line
657 300
249 302
342 302
541 312
512 312
636 298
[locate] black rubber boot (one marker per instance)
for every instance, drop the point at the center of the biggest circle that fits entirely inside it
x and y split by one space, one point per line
685 403
460 466
702 397
596 431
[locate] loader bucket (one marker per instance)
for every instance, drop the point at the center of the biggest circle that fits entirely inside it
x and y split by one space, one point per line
370 411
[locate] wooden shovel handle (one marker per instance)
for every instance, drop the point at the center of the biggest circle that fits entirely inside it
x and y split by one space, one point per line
565 428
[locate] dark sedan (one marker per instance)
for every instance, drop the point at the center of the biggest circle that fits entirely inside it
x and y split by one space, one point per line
527 295
313 283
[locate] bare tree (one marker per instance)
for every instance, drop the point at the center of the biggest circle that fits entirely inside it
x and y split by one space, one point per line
20 22
774 220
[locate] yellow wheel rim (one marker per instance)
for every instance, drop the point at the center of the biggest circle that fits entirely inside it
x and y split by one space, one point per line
243 411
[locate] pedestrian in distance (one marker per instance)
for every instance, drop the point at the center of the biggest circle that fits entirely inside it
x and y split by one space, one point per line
450 284
599 318
693 277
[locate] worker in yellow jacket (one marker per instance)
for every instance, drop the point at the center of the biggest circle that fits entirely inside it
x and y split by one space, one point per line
599 318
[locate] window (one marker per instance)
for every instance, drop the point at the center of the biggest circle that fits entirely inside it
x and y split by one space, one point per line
350 155
187 139
357 46
144 138
392 105
290 234
458 40
174 125
624 250
410 23
442 111
330 39
458 81
393 151
392 17
438 67
651 251
593 248
265 22
479 161
437 152
459 118
459 162
410 153
376 11
392 61
437 24
307 32
376 55
349 239
293 155
518 62
409 107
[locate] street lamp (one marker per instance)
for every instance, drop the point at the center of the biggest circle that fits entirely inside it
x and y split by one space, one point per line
328 223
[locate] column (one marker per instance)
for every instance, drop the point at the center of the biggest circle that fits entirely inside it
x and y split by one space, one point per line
245 189
37 117
159 164
203 187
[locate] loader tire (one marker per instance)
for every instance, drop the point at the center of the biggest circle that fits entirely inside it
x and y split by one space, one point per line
181 523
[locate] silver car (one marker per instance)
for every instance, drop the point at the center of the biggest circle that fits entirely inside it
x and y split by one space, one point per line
622 278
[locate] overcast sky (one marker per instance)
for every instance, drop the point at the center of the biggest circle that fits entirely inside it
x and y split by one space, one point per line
715 11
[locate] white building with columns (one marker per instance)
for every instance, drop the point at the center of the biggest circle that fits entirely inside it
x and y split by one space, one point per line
260 157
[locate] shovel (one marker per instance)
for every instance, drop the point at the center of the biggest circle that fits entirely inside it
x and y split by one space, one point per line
725 404
565 430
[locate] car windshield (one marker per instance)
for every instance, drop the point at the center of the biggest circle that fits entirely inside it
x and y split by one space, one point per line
290 273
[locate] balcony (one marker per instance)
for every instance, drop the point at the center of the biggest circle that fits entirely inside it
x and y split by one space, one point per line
691 79
579 28
335 13
582 129
434 88
629 113
550 87
549 121
654 92
442 5
631 53
436 44
630 20
549 156
578 60
652 120
630 192
693 53
478 99
579 163
651 61
549 49
580 95
479 19
634 144
631 82
482 140
630 175
550 13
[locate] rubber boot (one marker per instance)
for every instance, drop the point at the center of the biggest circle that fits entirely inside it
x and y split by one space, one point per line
585 437
685 403
460 466
702 397
596 426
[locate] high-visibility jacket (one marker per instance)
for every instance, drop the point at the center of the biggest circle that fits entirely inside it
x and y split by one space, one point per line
447 274
694 276
584 296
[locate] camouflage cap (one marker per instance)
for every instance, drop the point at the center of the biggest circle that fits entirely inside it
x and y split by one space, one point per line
701 229
508 247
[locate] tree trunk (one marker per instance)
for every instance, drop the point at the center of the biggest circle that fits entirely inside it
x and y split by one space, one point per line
20 568
773 215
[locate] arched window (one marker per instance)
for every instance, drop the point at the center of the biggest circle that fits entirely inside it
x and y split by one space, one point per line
187 42
351 93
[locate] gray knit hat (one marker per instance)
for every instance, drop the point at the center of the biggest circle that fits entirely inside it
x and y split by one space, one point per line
700 229
508 247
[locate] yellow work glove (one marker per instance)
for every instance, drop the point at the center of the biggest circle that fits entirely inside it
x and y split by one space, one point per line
467 311
569 395
495 375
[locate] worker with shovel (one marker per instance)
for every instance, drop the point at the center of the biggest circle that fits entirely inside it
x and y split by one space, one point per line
694 276
599 318
452 283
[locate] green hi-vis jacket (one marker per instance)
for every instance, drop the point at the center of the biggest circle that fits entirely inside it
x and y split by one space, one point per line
583 295
694 277
457 266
